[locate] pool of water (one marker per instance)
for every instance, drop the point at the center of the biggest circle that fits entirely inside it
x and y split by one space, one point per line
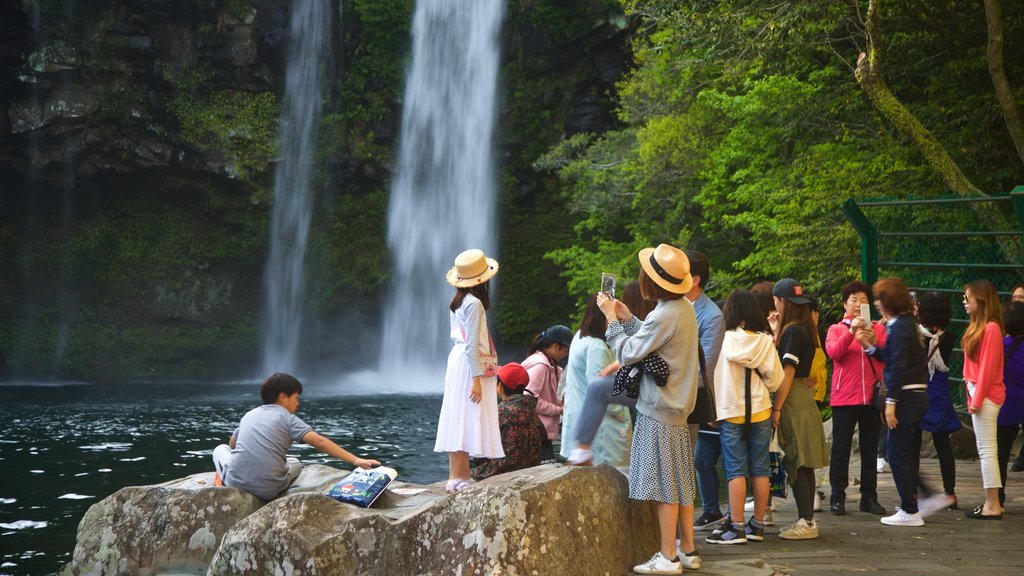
64 447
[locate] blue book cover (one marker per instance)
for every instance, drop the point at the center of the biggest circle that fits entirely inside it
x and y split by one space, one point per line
363 487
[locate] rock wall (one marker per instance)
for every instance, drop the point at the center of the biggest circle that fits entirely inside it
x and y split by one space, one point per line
545 520
137 148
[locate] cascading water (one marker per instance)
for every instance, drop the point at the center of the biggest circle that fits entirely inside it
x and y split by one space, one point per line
443 198
284 281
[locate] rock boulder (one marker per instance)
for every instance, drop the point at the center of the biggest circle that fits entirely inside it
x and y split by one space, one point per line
544 520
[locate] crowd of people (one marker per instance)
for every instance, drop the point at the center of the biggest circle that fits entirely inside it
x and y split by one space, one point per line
665 383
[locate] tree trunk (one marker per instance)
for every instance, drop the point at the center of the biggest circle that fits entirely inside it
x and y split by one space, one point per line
869 76
994 56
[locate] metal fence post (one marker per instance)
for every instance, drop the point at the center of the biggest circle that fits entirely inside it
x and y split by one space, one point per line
868 233
1017 199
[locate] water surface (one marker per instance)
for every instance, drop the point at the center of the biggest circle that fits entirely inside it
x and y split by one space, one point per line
64 447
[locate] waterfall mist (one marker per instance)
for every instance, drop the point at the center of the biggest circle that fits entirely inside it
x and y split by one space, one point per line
284 281
443 196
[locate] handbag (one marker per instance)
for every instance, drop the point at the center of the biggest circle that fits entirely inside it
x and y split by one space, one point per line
488 361
627 379
704 409
878 391
777 474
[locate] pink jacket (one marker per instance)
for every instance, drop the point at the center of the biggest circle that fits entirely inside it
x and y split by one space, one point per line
853 380
985 370
544 385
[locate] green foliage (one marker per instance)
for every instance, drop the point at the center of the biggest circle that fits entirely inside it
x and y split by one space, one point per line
745 130
241 124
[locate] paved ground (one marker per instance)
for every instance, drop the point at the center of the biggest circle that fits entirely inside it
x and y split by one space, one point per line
858 543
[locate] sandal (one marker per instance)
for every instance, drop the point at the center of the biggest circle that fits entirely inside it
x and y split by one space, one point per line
463 484
452 485
977 515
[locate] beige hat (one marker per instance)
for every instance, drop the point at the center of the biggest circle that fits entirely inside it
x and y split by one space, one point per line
668 266
472 268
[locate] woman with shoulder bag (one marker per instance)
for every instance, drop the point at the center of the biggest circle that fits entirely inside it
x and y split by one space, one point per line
940 419
854 375
795 413
661 461
906 388
748 372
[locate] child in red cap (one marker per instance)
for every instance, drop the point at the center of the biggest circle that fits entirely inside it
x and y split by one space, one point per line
522 433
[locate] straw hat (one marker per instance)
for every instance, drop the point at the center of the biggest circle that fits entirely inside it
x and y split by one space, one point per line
472 268
668 267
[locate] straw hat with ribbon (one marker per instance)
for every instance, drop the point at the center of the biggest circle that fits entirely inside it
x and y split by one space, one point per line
668 267
472 268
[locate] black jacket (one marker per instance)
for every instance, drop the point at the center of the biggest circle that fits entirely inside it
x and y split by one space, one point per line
904 354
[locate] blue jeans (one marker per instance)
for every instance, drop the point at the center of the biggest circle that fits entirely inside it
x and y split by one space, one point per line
748 456
705 460
599 396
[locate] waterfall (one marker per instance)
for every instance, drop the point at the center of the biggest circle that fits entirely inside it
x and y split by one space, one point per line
443 197
284 282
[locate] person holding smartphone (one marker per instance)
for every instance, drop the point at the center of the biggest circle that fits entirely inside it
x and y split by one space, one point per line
854 375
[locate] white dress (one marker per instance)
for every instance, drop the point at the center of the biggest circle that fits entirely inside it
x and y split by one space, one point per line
465 426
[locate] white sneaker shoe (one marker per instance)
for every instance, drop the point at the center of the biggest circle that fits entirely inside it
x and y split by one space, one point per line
658 564
901 518
934 503
580 457
880 465
769 518
691 561
800 530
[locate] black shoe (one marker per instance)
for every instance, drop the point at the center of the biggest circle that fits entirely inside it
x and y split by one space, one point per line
837 508
1018 465
708 521
871 506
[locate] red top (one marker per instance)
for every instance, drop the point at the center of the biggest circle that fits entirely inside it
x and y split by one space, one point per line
986 370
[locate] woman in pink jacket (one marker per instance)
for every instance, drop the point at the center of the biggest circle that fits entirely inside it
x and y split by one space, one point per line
548 349
854 374
982 344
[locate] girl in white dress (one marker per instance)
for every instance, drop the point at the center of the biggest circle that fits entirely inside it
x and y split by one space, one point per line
468 425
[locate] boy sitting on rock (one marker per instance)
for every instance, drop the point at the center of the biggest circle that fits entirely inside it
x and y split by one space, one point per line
255 459
522 432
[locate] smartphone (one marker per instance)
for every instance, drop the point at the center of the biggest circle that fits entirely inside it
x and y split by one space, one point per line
608 284
865 312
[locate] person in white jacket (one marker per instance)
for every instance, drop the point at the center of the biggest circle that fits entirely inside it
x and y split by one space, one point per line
748 372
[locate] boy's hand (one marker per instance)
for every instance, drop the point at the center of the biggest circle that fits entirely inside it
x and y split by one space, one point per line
365 463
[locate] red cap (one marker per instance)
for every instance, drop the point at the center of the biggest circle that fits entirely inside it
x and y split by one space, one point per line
513 375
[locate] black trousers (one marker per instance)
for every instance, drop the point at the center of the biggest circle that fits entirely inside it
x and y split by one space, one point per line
868 421
1005 435
947 463
903 460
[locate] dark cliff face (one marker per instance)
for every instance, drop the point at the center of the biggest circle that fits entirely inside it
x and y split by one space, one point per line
137 148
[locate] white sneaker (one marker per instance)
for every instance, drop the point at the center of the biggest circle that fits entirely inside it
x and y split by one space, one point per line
934 503
880 465
901 518
769 518
800 530
817 501
691 561
658 564
580 457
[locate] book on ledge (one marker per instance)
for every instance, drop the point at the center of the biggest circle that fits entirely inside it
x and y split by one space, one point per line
363 487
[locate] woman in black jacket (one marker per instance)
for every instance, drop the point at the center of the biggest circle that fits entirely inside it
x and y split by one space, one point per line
906 380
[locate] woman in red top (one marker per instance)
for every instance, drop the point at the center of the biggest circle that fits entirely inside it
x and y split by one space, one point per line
983 374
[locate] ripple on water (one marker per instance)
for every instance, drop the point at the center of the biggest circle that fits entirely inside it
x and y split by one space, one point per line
23 525
112 446
73 496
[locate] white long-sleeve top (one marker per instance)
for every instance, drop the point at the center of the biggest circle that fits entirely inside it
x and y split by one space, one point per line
469 327
742 350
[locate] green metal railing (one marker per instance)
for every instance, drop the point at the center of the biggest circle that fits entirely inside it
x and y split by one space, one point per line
940 244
